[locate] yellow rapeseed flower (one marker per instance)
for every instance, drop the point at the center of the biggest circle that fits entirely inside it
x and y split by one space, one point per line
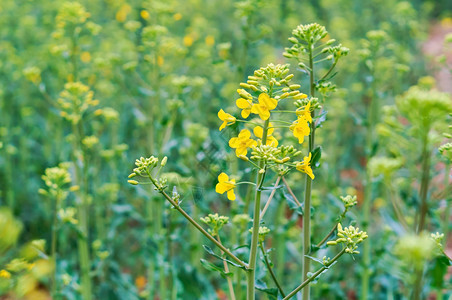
242 142
305 166
300 129
210 40
177 16
266 104
122 13
85 56
226 118
226 185
305 112
160 61
245 105
188 40
259 132
144 14
5 274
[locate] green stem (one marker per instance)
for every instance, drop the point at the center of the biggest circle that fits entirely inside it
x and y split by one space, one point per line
53 246
74 57
83 247
423 209
251 274
417 286
199 227
313 276
158 236
229 279
290 191
395 204
307 197
446 218
151 265
269 268
270 198
327 236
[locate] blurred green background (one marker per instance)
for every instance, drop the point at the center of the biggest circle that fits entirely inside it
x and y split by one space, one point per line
160 71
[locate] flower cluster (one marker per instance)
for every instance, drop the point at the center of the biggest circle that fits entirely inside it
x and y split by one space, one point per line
414 250
144 168
56 179
215 223
262 95
350 237
75 100
144 165
263 231
446 150
349 201
438 239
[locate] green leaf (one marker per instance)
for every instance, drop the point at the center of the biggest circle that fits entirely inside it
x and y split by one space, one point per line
316 155
270 188
320 119
210 251
320 261
291 202
211 267
271 292
438 270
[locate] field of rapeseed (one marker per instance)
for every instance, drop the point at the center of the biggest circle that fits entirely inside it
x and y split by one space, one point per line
207 149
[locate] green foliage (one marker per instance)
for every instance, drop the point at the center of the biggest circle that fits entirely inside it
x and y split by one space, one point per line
95 84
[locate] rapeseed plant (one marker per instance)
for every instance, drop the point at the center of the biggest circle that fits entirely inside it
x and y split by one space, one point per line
265 96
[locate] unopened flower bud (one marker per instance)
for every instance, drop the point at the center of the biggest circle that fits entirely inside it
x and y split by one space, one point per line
244 157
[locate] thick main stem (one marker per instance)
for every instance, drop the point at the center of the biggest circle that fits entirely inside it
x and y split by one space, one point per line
54 246
307 196
423 210
83 212
251 274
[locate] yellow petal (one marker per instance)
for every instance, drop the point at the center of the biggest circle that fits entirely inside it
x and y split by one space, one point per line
222 115
231 195
272 141
251 143
223 125
270 129
223 177
300 138
242 103
264 115
233 143
255 109
220 188
246 112
240 151
269 103
258 131
244 134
